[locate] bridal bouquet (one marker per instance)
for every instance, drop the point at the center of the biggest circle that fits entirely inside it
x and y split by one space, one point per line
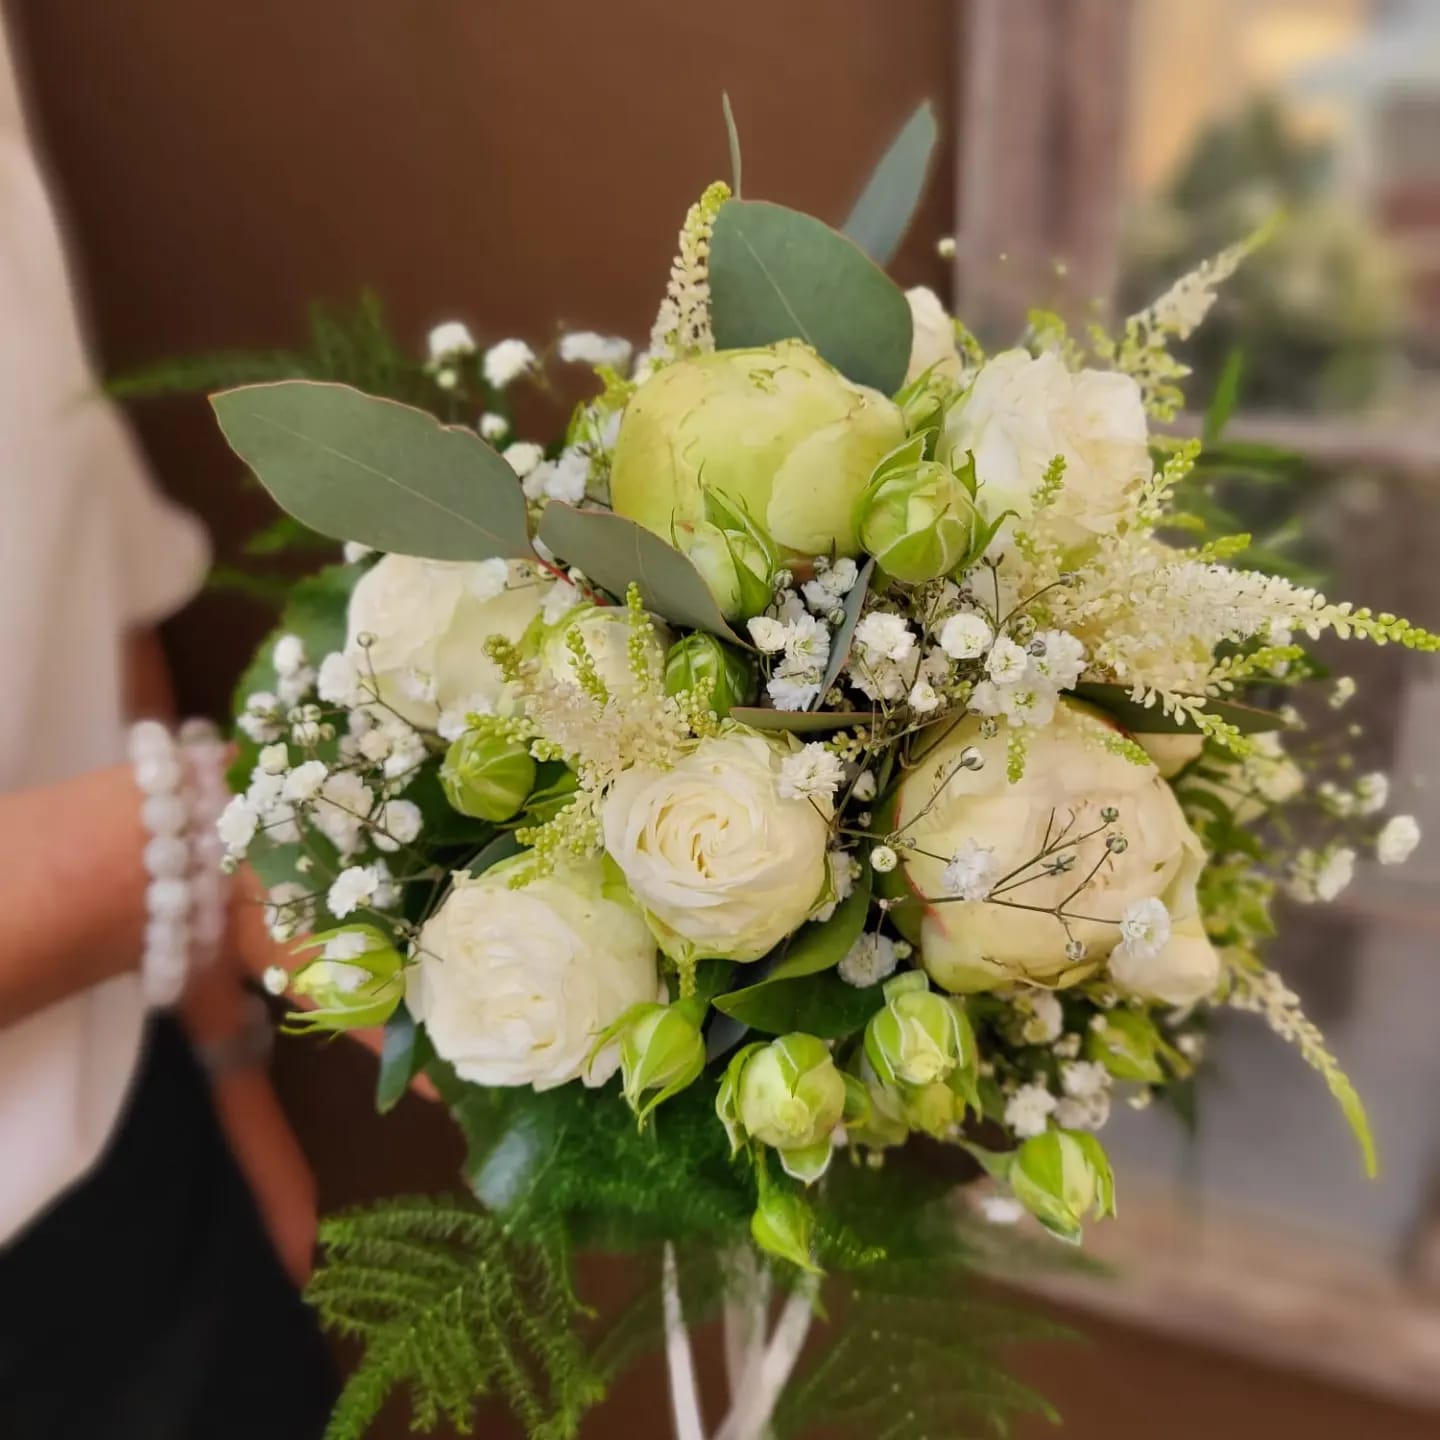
838 749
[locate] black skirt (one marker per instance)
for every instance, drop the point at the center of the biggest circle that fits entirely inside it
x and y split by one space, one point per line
148 1303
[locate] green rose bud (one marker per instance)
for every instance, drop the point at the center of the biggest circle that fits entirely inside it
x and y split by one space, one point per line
661 1049
920 1037
702 657
735 566
487 776
1062 1176
782 436
354 983
1128 1047
784 1225
917 517
787 1095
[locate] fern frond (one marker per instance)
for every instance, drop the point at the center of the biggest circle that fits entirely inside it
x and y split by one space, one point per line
445 1302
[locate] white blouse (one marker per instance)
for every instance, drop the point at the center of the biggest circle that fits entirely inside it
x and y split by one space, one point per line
88 551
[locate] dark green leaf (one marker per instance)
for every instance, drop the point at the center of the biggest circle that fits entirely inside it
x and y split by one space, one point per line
776 274
405 1053
822 1005
734 136
800 722
392 477
886 207
845 630
612 551
1149 720
1222 403
821 945
502 847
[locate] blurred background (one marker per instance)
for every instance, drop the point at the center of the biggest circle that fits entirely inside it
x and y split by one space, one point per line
524 164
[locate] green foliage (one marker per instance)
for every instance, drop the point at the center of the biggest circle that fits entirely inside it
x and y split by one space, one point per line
844 633
886 207
445 1302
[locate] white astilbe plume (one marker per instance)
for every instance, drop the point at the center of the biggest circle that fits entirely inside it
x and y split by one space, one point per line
682 326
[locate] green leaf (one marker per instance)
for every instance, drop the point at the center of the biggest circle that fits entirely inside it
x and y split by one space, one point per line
1353 1108
821 945
822 1005
502 847
1222 402
734 136
405 1052
886 207
776 274
1149 720
800 722
612 551
392 477
845 630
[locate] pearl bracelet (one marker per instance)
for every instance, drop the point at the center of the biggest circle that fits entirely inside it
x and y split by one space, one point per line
183 786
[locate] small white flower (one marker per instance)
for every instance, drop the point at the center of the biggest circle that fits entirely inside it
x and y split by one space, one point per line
812 771
1007 662
966 635
788 692
768 634
523 456
884 859
1091 1113
1397 840
1336 872
923 697
1144 930
807 643
303 783
1028 1111
560 599
450 341
507 362
237 824
841 867
354 552
819 600
1372 792
884 636
1061 660
293 688
1081 1079
343 806
275 979
273 760
841 576
493 427
288 656
585 347
1001 1209
564 479
338 682
387 893
864 787
1046 1019
970 875
869 960
261 720
397 824
352 888
288 908
1343 692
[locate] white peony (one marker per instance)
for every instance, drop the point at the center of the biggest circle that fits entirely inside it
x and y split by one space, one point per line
933 337
427 622
723 865
982 945
1021 412
513 985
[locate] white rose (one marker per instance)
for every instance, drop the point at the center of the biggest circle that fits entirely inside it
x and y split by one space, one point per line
513 985
1171 752
605 630
933 342
428 621
1021 412
980 945
722 864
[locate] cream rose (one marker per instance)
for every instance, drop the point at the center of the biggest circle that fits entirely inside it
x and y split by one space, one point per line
513 985
1022 411
932 345
969 945
722 864
427 622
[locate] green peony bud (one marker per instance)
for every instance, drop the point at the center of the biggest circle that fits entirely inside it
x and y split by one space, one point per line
788 1095
702 657
1128 1047
661 1049
775 431
1062 1176
916 516
784 1225
920 1037
487 776
354 983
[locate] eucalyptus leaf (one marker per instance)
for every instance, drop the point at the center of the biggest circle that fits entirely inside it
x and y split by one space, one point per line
612 551
355 467
776 274
403 1055
800 722
1150 720
845 631
822 1005
733 133
887 205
